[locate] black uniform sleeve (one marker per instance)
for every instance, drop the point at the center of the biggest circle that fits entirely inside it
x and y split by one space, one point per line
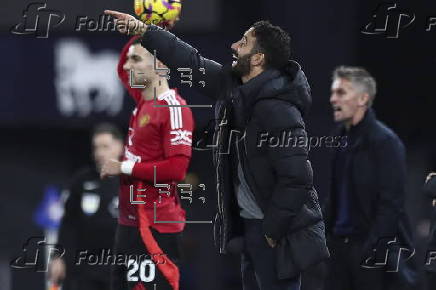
175 53
68 230
293 172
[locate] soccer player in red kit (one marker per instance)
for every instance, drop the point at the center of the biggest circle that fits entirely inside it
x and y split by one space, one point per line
157 152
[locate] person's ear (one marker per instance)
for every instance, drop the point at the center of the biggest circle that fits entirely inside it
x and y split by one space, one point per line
258 59
363 100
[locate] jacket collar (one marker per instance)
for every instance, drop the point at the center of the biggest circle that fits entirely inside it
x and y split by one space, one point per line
363 125
357 132
251 88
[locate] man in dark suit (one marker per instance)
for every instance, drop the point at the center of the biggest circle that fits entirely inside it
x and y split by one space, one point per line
367 228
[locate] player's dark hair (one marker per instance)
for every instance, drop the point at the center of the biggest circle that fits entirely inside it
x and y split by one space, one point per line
359 77
274 42
107 128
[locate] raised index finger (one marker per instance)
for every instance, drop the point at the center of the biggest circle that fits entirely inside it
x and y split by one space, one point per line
115 14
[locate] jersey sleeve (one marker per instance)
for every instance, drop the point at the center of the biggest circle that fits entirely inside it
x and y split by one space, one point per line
177 131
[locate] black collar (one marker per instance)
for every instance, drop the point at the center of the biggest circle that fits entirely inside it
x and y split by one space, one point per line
252 88
363 125
357 133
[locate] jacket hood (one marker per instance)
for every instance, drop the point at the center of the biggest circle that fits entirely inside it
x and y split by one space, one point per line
288 84
123 75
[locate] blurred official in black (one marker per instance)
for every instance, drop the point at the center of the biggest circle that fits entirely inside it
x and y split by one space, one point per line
430 261
90 218
365 218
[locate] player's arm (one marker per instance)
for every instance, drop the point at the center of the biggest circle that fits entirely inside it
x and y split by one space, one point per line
173 52
171 169
177 145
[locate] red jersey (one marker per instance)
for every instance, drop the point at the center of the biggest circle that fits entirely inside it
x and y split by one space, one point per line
156 132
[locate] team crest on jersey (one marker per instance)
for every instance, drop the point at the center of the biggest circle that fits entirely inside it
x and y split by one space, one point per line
144 120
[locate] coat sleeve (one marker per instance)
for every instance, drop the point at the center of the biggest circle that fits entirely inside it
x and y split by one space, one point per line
292 170
390 167
176 54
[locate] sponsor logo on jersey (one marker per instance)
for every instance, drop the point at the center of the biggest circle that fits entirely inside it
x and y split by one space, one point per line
181 137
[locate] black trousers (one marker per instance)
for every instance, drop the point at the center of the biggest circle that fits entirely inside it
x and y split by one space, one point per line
258 262
84 283
140 269
344 271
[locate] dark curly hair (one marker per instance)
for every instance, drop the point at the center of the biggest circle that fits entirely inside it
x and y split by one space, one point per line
274 42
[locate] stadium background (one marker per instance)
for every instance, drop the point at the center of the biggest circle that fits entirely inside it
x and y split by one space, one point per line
42 143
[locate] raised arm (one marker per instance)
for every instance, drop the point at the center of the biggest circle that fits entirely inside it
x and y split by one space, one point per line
173 52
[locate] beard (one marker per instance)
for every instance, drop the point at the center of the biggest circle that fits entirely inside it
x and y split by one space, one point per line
242 67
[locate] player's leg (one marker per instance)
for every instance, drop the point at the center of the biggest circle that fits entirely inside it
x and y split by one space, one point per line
151 271
123 242
140 269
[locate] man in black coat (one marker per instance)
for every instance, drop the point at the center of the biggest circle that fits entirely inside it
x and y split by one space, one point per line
368 231
266 197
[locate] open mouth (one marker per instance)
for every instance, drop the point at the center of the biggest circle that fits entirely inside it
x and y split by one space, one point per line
337 109
235 59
